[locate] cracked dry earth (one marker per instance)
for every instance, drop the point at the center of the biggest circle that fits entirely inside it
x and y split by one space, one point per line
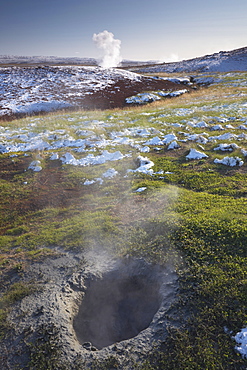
96 307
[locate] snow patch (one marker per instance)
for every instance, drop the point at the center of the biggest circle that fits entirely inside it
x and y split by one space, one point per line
154 141
226 136
42 106
54 157
90 159
244 152
227 147
217 127
169 138
196 154
35 166
173 145
142 98
28 90
145 165
89 182
230 161
140 190
241 339
110 173
172 94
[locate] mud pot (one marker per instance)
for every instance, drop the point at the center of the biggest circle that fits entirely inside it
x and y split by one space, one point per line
119 305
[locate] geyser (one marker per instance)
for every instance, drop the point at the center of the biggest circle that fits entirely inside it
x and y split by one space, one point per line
111 49
120 304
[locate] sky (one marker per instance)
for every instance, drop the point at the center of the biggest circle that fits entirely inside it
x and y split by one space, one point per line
162 30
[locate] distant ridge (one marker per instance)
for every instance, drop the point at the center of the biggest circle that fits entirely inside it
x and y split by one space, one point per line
224 61
16 59
53 60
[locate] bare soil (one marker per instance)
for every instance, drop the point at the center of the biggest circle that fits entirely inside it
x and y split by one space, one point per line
114 96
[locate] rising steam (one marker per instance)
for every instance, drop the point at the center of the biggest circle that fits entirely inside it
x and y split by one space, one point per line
110 47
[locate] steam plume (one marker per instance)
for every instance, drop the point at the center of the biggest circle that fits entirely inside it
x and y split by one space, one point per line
110 47
171 58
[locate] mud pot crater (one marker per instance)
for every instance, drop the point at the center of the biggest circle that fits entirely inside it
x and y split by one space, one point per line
120 304
99 306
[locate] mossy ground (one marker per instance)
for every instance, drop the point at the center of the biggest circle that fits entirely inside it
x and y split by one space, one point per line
194 215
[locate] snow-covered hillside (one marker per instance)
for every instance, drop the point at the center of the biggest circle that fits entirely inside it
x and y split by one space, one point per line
224 61
27 90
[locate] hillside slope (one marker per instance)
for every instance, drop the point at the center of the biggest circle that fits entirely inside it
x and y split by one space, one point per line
224 61
28 90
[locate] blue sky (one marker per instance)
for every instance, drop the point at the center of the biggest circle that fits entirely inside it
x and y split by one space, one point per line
148 29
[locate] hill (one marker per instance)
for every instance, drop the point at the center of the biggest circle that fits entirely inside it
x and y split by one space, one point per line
33 89
224 61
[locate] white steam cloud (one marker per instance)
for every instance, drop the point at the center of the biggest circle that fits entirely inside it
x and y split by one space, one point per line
110 47
171 58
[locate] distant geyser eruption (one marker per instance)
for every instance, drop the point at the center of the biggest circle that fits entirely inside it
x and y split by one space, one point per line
110 47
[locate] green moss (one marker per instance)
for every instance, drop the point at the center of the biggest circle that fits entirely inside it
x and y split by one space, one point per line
22 229
16 292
